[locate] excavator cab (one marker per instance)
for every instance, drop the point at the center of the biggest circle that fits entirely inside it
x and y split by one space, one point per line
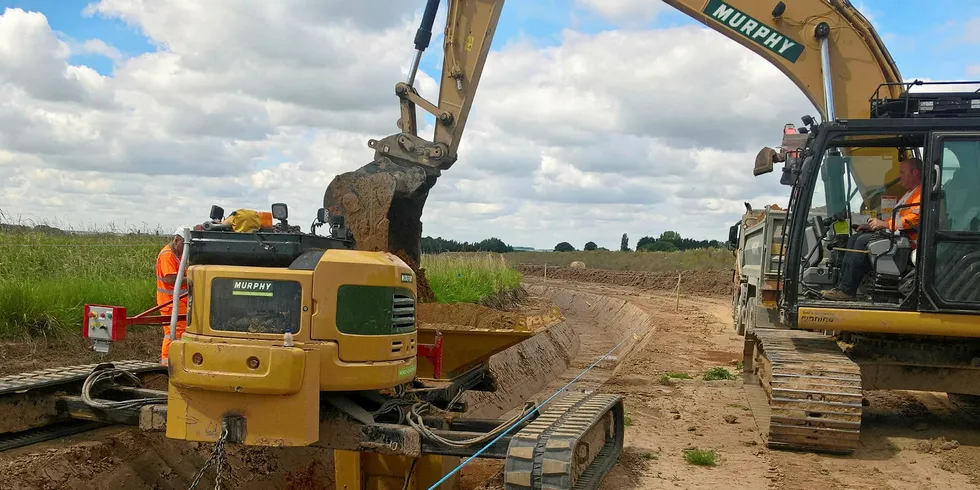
851 172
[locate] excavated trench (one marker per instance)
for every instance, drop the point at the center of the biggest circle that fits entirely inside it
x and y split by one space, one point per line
123 457
535 369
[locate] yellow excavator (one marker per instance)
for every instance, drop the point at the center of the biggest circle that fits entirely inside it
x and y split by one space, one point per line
913 323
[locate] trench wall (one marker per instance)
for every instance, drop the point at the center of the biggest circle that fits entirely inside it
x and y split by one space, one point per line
523 370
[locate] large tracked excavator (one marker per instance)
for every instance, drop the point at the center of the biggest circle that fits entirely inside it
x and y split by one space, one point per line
916 327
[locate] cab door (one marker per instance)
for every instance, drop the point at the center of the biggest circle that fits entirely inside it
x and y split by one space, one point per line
949 246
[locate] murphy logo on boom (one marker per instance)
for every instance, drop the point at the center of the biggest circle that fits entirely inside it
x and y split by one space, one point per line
252 288
750 28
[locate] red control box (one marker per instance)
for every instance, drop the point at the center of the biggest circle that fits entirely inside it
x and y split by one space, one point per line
104 323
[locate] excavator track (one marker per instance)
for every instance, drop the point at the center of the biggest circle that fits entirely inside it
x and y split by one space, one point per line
571 445
31 399
47 433
813 389
45 378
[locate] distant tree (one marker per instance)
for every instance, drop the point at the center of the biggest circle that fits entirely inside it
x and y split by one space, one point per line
564 247
591 246
624 245
644 241
438 245
670 236
659 246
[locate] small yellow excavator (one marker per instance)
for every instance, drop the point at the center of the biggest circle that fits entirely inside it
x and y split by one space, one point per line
299 339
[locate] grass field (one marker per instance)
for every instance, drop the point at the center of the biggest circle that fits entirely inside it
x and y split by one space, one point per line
700 259
46 279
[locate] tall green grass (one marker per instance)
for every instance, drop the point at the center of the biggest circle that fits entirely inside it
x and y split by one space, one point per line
468 277
46 279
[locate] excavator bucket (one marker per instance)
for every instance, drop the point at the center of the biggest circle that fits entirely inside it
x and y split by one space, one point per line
382 204
465 347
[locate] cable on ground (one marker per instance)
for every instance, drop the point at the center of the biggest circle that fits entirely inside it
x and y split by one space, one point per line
110 374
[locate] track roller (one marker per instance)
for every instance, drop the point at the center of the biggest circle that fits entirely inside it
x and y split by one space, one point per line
571 445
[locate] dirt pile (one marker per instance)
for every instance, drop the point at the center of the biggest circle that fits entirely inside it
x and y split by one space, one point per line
124 458
468 315
382 205
141 343
507 300
713 282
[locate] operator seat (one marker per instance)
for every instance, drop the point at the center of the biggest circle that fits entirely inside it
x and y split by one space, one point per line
815 273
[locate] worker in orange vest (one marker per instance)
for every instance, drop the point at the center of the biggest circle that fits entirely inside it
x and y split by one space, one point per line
856 265
168 263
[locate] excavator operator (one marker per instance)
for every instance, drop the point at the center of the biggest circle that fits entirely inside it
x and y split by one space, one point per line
167 265
855 264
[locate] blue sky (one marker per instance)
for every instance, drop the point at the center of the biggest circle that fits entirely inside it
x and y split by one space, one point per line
925 42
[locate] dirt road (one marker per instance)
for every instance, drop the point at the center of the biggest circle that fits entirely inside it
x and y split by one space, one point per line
909 440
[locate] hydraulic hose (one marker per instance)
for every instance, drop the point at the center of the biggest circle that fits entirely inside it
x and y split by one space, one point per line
175 310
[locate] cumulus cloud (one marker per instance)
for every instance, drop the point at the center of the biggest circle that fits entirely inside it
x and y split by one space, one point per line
625 11
971 33
248 103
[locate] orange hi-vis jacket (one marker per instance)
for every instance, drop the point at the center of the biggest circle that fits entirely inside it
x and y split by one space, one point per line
908 217
167 264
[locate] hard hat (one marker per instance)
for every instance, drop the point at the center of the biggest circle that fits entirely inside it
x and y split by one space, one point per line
180 230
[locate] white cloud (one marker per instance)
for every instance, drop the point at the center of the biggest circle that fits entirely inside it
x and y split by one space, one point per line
971 33
634 12
249 103
95 46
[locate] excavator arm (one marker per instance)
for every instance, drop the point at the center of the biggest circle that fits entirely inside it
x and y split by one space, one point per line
826 47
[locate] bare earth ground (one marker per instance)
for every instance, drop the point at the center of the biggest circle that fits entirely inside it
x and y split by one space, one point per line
907 440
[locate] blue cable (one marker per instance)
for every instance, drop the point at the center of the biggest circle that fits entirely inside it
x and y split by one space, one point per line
494 441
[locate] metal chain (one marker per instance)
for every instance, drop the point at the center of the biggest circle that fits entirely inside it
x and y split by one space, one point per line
217 456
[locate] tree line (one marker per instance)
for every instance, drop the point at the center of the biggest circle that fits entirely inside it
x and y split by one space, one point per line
668 241
438 245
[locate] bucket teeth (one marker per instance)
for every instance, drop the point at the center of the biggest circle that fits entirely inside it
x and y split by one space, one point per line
571 445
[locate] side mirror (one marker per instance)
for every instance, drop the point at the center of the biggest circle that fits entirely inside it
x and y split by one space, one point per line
790 171
321 215
217 213
733 236
763 161
280 211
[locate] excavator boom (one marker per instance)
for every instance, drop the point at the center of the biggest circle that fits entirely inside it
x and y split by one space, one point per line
791 37
826 47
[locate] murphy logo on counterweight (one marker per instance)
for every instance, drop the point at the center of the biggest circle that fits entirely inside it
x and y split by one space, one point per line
750 28
252 288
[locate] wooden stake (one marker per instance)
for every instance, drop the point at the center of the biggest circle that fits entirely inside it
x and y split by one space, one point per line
677 294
